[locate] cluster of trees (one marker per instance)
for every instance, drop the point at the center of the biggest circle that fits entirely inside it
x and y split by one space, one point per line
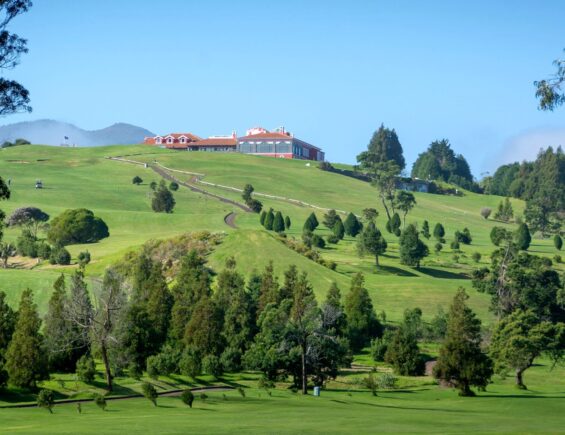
133 322
274 221
163 200
253 203
17 142
540 183
519 239
439 162
505 211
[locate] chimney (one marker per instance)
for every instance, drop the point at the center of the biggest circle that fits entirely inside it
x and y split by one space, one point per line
234 134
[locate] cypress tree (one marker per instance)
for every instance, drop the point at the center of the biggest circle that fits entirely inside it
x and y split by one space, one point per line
159 305
362 322
262 217
352 225
309 225
287 222
426 229
314 220
333 312
269 289
7 324
278 223
372 241
395 223
461 360
522 237
412 249
403 353
558 242
339 230
26 361
439 232
269 220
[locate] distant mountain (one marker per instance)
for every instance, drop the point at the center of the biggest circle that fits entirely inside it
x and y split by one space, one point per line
49 132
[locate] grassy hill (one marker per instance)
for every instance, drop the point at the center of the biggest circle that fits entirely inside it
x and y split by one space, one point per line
84 177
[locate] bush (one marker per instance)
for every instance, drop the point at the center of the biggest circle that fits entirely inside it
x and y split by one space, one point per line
77 226
455 245
149 392
60 256
379 346
46 399
558 242
476 257
100 401
26 245
485 212
371 383
187 398
557 259
332 238
137 180
387 381
86 369
174 186
43 251
438 247
211 365
318 242
83 258
255 205
153 185
498 235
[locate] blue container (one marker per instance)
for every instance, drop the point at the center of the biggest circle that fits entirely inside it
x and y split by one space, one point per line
316 391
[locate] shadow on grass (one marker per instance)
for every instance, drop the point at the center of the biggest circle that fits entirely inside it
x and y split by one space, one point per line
444 274
395 271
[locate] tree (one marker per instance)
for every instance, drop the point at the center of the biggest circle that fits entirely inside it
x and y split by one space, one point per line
393 225
83 258
384 176
149 392
439 232
287 222
262 217
383 147
405 202
269 220
370 214
412 249
247 193
137 180
251 202
403 353
330 219
426 229
278 223
339 229
30 218
558 242
173 186
548 91
46 399
77 226
519 339
26 362
352 225
372 241
333 313
522 237
7 250
204 330
499 235
163 200
485 212
187 398
362 322
461 361
505 212
13 96
86 369
153 185
7 325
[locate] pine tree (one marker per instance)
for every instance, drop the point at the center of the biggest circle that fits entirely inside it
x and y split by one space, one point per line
269 220
278 223
163 200
309 225
203 332
362 322
287 222
333 312
7 324
372 241
383 147
461 360
522 237
26 361
412 249
426 229
403 353
352 225
269 289
439 232
339 229
314 220
159 305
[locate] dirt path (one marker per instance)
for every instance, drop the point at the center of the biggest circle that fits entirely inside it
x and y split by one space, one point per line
230 219
170 393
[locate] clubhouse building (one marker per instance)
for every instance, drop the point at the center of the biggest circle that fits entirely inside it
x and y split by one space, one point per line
257 140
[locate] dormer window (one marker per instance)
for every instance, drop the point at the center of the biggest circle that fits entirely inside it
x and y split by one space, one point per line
158 140
182 140
170 140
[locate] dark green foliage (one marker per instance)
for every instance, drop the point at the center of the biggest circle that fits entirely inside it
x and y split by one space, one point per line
100 401
269 220
370 214
278 223
26 362
287 222
269 287
499 235
29 218
173 186
439 162
522 237
426 230
83 258
394 224
439 232
412 249
190 362
352 225
372 241
77 226
7 325
549 91
383 147
362 322
86 369
46 400
43 251
60 256
330 219
203 331
252 203
137 180
163 200
438 247
317 241
153 185
379 346
455 245
476 257
27 245
311 222
404 201
149 392
187 398
463 236
262 217
557 242
438 325
403 353
505 212
333 239
247 193
461 360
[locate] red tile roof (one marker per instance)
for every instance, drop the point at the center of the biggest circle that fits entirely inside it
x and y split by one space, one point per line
215 142
188 135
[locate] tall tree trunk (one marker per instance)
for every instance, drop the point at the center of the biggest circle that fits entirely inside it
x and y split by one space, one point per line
383 200
304 376
107 368
520 380
377 260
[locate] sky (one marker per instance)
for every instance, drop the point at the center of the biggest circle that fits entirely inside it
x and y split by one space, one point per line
331 72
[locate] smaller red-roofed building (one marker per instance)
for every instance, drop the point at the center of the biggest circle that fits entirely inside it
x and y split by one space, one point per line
173 140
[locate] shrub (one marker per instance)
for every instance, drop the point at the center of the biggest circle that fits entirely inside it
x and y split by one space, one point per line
153 185
438 247
137 180
557 259
100 401
163 200
403 353
262 217
387 381
498 235
269 220
211 365
351 225
83 258
43 251
86 369
77 226
379 346
174 186
27 245
455 245
46 399
371 383
558 242
522 237
485 212
255 205
318 242
187 398
287 222
149 392
332 238
60 256
464 236
476 257
278 222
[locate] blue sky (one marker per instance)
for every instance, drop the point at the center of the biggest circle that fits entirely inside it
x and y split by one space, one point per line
330 71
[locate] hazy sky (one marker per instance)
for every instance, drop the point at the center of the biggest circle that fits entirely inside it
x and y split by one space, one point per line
330 71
